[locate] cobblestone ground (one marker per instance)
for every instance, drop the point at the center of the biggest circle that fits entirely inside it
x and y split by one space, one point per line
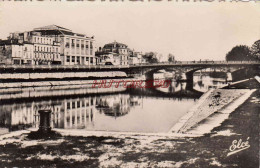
143 151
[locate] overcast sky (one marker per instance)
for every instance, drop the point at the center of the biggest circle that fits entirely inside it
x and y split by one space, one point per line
190 31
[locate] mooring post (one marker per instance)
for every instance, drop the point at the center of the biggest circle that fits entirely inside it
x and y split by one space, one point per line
45 118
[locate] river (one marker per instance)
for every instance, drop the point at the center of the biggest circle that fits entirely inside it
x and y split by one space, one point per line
153 110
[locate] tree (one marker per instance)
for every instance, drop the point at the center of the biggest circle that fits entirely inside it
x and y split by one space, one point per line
255 50
239 53
171 58
151 57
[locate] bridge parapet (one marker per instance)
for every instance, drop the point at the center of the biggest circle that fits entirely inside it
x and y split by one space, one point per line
140 65
198 63
63 66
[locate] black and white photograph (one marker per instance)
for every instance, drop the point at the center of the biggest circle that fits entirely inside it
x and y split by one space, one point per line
129 83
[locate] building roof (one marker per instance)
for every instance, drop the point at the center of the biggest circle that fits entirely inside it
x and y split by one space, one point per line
114 44
101 53
52 27
8 42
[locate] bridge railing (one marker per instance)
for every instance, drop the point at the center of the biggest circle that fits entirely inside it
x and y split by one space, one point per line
64 66
196 63
127 66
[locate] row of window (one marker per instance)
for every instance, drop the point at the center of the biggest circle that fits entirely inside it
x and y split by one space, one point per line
124 57
78 43
22 54
67 45
46 56
46 49
73 119
77 51
77 59
77 103
43 40
123 51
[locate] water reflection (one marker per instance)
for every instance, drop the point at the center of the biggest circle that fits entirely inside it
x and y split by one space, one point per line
174 87
204 82
113 109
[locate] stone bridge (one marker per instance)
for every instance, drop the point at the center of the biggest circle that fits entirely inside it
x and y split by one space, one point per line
185 68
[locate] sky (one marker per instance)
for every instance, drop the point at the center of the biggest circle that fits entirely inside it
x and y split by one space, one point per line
188 30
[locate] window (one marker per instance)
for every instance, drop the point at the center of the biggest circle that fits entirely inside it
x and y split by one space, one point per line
87 59
78 59
72 42
68 58
16 61
83 103
67 45
73 59
86 46
78 104
91 60
91 102
73 105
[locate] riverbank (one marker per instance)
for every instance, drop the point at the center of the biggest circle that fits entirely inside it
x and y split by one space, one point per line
140 150
143 150
215 106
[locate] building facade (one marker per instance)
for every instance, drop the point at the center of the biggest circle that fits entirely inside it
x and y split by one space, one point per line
12 52
116 53
136 58
48 45
31 48
75 48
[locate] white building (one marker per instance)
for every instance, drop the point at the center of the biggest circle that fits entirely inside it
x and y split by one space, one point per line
115 53
45 49
48 45
136 58
75 48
